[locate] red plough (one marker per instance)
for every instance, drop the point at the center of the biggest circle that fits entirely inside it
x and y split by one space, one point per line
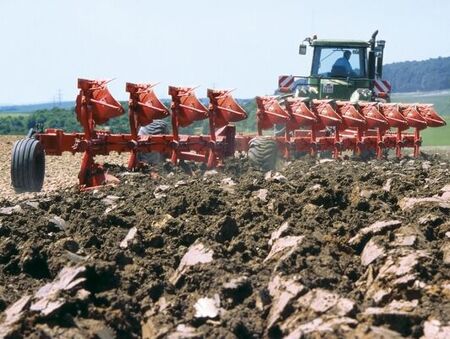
143 108
95 106
337 126
311 126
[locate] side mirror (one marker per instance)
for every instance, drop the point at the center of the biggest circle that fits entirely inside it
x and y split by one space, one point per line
302 49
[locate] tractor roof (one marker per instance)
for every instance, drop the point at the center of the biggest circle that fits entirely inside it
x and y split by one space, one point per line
340 43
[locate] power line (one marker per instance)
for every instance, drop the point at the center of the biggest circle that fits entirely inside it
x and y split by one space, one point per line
59 97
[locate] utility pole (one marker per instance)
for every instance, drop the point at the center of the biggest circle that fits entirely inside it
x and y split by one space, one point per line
59 97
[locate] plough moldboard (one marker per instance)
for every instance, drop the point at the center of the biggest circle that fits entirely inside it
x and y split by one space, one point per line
311 126
337 126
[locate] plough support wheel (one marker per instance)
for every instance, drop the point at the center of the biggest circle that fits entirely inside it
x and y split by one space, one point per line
27 165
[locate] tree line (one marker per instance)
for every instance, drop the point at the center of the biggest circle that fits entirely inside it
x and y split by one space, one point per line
55 118
419 76
66 119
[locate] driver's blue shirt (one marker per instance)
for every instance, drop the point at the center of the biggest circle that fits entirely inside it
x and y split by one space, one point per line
343 62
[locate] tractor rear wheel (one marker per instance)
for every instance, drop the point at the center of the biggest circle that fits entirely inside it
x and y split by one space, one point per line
263 153
154 128
157 127
27 165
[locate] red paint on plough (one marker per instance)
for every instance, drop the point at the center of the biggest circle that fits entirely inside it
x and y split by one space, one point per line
311 126
328 125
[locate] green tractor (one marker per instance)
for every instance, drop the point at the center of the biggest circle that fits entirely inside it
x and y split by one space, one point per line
341 69
343 105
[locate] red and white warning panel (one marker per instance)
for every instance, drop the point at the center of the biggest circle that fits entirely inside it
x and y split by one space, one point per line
288 83
285 81
381 86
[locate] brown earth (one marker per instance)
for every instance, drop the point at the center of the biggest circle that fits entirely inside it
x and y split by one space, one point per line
330 248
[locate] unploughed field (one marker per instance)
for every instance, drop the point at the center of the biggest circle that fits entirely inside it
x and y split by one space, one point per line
319 248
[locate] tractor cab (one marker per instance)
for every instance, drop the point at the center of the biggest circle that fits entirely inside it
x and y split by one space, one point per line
340 69
335 59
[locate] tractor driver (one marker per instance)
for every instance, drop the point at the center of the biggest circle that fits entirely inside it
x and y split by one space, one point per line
342 65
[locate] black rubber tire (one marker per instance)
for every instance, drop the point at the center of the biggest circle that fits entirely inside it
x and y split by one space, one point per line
157 127
27 165
263 153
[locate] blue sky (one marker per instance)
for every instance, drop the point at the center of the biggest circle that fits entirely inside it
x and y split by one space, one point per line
48 44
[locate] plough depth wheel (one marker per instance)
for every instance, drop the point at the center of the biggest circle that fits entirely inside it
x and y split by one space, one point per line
27 165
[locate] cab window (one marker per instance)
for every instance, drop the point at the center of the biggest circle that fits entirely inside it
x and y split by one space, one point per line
339 62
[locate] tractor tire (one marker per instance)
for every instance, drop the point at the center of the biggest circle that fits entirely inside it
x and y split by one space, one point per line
263 153
27 165
157 127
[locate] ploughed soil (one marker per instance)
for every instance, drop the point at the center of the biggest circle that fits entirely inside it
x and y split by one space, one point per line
319 248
